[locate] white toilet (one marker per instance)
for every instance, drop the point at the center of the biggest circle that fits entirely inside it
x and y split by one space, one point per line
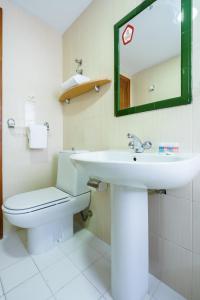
47 214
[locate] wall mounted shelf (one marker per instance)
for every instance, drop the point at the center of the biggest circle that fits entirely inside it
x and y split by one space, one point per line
82 89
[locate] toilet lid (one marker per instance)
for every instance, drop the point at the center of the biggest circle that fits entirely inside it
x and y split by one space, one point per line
35 198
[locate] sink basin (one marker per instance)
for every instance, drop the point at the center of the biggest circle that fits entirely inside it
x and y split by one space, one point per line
130 175
146 170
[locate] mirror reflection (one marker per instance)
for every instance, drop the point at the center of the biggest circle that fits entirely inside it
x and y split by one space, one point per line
150 55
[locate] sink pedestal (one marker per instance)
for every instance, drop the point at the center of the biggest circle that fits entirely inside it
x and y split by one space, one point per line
130 255
130 206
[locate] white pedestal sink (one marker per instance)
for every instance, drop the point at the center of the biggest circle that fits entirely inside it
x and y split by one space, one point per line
130 175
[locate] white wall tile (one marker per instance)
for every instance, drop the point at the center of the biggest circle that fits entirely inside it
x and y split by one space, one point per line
154 213
183 192
176 268
196 227
196 278
196 124
196 189
32 66
176 220
155 255
176 126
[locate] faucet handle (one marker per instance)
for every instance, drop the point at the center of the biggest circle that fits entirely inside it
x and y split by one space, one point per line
130 135
147 145
131 145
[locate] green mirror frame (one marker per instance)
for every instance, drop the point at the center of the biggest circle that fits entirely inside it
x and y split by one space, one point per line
186 68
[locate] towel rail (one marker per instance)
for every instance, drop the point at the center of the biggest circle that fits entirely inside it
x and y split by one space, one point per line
12 124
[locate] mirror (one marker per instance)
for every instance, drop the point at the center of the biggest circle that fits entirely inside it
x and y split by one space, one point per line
153 57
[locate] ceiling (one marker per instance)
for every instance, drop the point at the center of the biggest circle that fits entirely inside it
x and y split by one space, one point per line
157 37
59 14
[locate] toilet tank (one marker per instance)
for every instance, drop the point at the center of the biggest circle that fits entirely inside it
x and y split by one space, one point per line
69 179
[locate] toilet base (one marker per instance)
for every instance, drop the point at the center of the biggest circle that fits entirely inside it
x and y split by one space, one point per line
43 238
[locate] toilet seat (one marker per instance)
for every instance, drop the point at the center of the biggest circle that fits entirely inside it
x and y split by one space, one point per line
35 200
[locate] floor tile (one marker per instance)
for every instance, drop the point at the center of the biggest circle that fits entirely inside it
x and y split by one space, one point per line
60 274
1 290
85 235
17 273
99 274
107 253
70 245
100 245
32 289
196 277
48 258
22 235
61 269
79 288
11 251
108 296
166 293
84 257
176 268
153 284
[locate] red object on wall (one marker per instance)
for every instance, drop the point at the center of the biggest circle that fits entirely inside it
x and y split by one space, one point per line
127 34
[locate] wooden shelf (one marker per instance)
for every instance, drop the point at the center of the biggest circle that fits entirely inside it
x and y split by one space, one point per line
82 89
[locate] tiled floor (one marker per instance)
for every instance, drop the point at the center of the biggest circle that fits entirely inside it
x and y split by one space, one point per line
78 269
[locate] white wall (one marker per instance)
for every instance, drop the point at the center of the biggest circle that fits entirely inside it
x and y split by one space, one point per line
166 77
89 123
32 65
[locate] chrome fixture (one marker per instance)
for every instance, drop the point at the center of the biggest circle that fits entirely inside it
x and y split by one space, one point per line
47 125
160 192
79 63
11 123
97 185
86 214
137 145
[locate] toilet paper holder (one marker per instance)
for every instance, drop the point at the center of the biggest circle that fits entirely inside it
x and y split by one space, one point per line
12 124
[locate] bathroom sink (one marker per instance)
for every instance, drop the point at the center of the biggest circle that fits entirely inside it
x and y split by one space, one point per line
140 170
131 175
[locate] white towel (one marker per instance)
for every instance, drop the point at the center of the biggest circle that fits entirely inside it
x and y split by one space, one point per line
73 81
37 136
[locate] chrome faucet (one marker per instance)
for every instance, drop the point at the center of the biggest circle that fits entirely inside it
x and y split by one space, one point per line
137 145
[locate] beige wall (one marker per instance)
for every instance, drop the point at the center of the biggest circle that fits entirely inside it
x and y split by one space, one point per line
166 77
89 123
32 65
